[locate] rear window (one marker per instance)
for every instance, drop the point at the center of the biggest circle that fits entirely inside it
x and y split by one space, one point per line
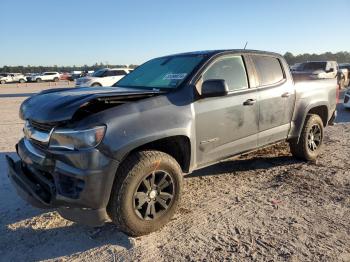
269 70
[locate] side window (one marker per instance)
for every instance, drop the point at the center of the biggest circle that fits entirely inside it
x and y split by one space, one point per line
269 69
115 73
109 73
231 69
120 72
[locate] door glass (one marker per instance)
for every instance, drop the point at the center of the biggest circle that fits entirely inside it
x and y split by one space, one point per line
231 69
269 69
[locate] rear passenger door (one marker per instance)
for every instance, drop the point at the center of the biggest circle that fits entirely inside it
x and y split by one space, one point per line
226 125
276 96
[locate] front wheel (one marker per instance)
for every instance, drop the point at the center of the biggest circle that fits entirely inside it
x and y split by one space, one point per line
310 141
2 82
21 81
38 80
146 192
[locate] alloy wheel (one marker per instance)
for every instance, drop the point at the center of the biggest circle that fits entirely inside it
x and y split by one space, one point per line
154 195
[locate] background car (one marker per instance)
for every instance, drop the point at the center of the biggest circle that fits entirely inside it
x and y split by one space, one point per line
317 69
103 77
12 78
345 69
46 76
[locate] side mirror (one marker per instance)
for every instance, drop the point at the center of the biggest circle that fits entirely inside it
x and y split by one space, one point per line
214 87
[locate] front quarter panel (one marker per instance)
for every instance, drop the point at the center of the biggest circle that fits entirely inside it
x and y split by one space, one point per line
137 123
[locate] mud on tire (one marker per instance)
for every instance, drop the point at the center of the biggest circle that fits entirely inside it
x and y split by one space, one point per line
310 141
145 193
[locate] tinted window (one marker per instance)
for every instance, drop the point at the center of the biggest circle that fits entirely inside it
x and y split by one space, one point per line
119 72
231 69
269 69
312 66
99 73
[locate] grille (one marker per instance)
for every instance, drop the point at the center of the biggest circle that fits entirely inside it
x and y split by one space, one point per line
346 99
45 127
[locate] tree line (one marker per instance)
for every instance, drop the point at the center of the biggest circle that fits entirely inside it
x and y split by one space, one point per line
340 57
55 68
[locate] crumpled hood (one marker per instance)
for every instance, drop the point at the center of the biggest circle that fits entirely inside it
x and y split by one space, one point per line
60 104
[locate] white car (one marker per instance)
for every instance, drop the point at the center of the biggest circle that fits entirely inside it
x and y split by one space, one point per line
103 77
12 78
347 99
46 76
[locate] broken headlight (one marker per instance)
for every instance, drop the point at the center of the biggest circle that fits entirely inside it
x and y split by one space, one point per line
72 139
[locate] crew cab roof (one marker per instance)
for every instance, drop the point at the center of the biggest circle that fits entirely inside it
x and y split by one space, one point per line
214 52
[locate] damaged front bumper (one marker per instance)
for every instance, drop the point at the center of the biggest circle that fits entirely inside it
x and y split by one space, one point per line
77 183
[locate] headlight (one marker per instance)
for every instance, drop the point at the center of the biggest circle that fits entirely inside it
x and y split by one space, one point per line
77 139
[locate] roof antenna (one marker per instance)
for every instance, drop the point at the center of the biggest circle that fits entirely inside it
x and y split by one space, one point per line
246 43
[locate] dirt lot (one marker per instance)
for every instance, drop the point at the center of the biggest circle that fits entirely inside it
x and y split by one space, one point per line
264 206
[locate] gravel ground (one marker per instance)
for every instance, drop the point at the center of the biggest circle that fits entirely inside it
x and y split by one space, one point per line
263 206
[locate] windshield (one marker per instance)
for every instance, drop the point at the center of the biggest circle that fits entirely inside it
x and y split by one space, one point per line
99 73
313 66
165 72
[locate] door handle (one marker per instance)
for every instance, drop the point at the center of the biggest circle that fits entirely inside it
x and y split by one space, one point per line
286 94
249 102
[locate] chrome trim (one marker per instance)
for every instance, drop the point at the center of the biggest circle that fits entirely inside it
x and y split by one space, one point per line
72 131
32 149
32 133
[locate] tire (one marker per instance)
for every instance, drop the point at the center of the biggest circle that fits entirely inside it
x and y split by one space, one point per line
342 83
56 79
21 81
38 80
2 82
131 199
95 85
304 148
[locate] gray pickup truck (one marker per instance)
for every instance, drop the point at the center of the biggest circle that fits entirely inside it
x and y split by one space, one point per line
119 153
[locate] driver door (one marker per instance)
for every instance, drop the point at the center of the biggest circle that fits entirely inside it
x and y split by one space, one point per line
226 125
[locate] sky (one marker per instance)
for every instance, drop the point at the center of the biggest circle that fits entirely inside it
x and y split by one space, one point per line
77 32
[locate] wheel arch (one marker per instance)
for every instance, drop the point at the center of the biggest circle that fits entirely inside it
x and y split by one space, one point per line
320 109
177 146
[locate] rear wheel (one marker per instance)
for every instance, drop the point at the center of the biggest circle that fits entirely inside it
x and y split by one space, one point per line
21 81
3 82
56 79
310 141
146 192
